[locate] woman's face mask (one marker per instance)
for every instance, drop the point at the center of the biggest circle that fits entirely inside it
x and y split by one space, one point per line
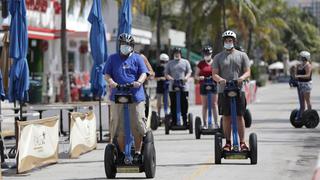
207 58
125 49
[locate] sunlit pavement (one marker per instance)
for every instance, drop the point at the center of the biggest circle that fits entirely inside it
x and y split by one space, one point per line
283 151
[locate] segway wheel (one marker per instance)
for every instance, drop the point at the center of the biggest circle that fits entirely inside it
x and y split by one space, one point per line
154 120
197 128
149 155
294 123
148 138
167 124
311 118
109 161
190 119
247 118
253 143
217 148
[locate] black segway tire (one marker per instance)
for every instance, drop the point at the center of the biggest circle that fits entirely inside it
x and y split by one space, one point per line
197 128
190 120
110 161
293 122
148 137
167 124
217 148
154 120
311 118
253 145
247 118
149 163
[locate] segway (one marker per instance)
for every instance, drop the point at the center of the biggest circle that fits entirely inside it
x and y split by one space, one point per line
210 87
308 118
233 91
156 121
247 118
112 161
177 90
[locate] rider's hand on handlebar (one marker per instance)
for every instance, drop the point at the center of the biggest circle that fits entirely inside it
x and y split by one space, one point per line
113 85
185 80
223 82
136 84
240 81
201 78
170 78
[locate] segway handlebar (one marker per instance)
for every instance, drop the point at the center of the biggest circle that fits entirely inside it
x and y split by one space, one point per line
232 85
124 87
293 82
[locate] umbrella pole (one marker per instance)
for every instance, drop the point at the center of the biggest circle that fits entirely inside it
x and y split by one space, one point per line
20 111
100 120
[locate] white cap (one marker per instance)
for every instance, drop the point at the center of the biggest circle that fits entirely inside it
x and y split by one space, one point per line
164 57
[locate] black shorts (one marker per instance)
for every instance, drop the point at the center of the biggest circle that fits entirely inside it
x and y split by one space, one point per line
203 90
224 103
183 104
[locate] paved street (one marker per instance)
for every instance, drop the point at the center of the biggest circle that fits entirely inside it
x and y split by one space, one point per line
283 152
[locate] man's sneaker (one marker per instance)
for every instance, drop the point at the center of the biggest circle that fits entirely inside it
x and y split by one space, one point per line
137 158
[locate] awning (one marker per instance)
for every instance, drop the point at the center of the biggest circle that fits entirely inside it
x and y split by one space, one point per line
276 65
194 57
52 34
43 33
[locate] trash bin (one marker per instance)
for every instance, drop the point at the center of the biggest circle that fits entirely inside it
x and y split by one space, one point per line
35 92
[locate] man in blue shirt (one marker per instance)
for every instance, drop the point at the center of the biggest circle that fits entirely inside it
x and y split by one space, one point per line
126 67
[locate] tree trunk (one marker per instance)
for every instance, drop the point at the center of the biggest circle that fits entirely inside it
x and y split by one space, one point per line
224 15
250 42
64 55
221 27
189 29
159 21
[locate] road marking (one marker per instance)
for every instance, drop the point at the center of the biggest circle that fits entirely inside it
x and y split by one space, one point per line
201 170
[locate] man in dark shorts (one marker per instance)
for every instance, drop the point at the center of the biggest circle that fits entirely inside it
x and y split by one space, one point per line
231 64
161 79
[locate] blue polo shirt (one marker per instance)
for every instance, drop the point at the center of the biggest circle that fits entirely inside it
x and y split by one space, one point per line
126 70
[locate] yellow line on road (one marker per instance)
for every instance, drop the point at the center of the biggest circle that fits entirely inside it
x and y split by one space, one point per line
201 170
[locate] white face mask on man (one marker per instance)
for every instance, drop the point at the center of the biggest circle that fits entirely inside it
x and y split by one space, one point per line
125 49
228 46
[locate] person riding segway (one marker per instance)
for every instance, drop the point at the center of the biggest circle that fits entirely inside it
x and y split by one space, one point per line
229 66
209 98
302 79
125 73
178 71
162 92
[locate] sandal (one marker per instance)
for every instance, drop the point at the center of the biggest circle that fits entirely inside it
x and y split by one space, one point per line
244 147
227 147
